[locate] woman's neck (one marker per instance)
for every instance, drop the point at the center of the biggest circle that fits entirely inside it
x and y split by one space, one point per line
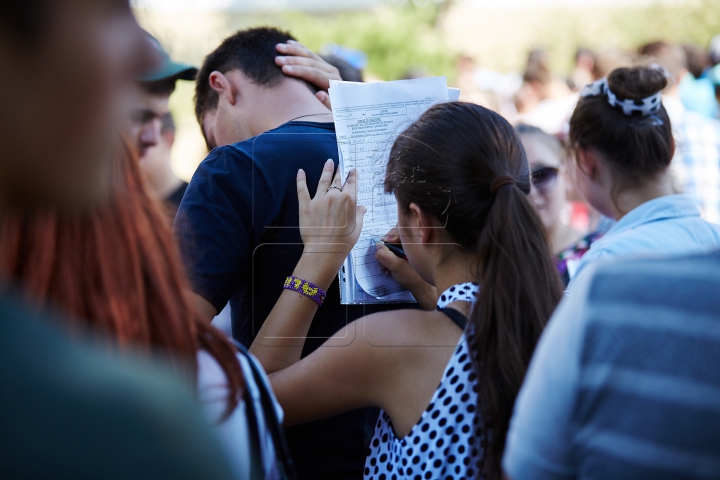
631 198
451 271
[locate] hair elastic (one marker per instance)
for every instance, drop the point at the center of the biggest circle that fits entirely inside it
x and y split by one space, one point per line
305 288
500 182
647 106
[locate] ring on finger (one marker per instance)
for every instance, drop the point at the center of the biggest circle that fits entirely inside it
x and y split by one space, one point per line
334 186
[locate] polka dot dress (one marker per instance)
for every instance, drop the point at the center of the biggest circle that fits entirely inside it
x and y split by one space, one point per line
447 441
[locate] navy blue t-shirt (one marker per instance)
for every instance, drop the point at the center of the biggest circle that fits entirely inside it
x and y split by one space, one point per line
238 228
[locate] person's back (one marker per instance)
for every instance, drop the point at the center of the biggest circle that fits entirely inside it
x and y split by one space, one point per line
238 221
61 398
624 382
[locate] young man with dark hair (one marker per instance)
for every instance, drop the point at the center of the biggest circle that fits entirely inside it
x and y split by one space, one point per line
238 221
151 108
69 411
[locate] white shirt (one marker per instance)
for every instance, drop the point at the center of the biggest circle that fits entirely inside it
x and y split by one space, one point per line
233 432
664 226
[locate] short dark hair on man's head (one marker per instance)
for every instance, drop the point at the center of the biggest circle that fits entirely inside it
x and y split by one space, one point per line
252 52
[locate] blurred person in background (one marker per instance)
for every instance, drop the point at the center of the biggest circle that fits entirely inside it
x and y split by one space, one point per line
714 75
68 410
696 164
714 50
544 101
115 269
623 145
582 73
696 90
467 82
148 117
545 155
609 59
238 222
156 167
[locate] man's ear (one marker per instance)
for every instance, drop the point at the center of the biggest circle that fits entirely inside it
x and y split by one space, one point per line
222 86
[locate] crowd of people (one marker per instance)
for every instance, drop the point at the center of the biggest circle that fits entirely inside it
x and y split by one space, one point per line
538 348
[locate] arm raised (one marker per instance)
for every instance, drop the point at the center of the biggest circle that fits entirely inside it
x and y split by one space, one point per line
330 224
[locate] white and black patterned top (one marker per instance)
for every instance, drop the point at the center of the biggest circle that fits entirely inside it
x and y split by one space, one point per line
448 440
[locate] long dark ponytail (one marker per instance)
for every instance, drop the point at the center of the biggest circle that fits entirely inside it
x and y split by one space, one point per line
465 165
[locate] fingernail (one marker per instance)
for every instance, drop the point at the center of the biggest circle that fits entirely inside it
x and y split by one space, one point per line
288 68
292 41
301 173
281 60
281 46
329 160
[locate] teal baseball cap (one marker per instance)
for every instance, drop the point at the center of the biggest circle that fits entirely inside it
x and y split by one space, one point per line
168 69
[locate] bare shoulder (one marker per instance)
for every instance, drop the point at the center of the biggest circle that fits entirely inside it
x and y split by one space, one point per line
410 328
391 338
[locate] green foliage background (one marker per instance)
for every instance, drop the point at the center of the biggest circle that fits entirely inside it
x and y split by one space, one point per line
415 33
431 34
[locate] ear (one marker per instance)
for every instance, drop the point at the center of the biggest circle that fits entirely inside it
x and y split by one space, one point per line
426 224
588 162
223 87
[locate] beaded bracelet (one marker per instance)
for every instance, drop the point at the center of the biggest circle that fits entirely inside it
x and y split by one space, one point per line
308 289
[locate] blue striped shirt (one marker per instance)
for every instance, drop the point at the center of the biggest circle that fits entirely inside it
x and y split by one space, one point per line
625 381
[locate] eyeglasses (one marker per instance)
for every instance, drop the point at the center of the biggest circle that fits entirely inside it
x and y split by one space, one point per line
544 178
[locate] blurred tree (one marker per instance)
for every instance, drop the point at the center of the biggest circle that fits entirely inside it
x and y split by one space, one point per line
397 36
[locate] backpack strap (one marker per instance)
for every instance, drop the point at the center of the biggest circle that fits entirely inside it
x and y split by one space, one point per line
271 419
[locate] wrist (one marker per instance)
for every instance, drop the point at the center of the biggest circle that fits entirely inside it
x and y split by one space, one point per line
319 267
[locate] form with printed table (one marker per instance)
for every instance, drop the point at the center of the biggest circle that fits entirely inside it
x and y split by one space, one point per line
368 119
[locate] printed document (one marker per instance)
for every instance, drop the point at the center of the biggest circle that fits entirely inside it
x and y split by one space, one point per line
368 119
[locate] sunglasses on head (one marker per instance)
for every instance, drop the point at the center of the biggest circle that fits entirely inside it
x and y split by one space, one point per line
544 178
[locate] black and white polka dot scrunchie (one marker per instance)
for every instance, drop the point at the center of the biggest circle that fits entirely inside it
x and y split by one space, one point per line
645 107
462 291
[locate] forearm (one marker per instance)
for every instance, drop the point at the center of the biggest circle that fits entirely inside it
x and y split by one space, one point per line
280 341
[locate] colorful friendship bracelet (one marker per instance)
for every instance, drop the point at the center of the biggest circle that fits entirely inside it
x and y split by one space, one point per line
308 289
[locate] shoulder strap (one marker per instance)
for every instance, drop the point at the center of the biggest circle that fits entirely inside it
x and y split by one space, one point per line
271 420
458 318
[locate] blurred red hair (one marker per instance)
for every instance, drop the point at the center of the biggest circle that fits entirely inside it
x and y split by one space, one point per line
117 269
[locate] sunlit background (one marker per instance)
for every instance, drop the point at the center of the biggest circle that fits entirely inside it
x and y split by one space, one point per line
420 37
